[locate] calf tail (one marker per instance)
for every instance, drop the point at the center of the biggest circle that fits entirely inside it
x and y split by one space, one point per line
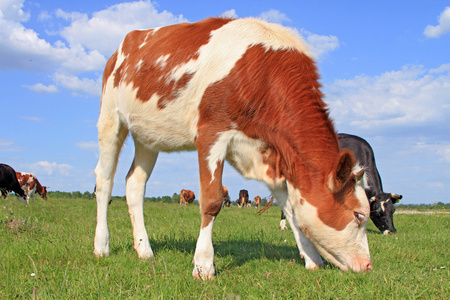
262 210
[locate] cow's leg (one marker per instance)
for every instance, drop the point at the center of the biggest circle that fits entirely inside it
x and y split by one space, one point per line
141 168
28 195
111 136
283 221
211 198
32 193
305 246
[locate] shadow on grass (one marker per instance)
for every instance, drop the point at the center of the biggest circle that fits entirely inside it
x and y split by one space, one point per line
373 231
242 251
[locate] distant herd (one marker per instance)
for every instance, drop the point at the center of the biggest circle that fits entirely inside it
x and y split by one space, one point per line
24 185
248 92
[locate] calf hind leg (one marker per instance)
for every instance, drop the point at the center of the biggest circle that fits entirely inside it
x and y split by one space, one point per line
141 168
111 138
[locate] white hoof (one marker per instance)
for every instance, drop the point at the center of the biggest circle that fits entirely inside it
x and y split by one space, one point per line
144 250
202 272
101 253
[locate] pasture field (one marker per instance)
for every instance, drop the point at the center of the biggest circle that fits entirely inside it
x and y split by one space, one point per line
46 253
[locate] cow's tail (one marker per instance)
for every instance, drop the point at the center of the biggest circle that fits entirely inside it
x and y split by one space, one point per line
262 210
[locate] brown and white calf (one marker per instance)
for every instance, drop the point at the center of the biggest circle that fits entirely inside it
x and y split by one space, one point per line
245 91
186 197
31 185
257 201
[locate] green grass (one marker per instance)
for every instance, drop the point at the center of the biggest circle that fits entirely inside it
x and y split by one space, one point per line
53 240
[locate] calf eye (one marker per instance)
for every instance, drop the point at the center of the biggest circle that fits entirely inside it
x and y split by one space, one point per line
359 217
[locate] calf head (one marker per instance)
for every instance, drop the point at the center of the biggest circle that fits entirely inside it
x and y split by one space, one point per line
382 211
334 215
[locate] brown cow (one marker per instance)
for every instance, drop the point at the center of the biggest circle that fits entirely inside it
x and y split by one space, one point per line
31 185
257 201
241 90
226 196
186 197
243 199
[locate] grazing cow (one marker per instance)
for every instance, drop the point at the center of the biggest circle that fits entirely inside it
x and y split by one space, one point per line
31 185
246 91
8 182
226 196
243 198
186 197
381 204
257 201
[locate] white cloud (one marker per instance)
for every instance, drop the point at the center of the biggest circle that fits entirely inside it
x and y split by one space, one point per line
87 145
35 119
83 44
444 151
107 28
230 14
320 44
442 69
79 86
274 16
433 185
411 97
443 27
441 149
23 49
44 16
40 88
49 168
9 146
12 10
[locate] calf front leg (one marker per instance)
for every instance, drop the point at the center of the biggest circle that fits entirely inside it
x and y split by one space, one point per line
307 249
211 198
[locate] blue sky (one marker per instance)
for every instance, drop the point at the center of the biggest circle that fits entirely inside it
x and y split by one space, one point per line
385 69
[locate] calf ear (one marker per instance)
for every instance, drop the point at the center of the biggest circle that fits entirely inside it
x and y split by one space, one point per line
342 171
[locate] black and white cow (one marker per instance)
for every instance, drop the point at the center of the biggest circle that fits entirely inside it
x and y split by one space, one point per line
381 204
9 182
